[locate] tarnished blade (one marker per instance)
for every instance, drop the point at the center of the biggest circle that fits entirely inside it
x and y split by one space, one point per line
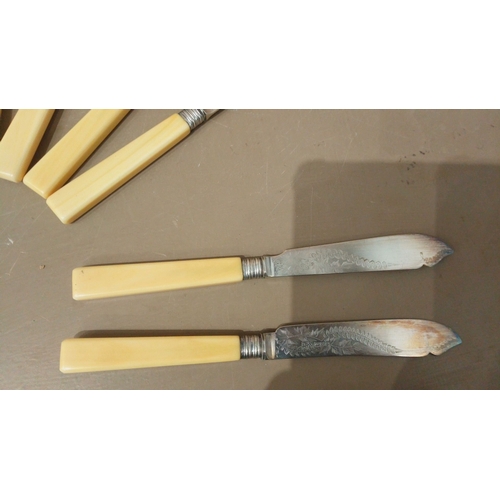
405 338
386 253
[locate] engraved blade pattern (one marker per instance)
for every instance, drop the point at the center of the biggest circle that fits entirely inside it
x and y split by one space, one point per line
386 253
404 338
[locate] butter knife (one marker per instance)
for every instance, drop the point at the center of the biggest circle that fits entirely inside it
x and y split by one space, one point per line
386 253
403 338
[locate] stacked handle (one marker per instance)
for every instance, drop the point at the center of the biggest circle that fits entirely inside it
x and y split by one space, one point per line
86 191
49 176
68 155
20 142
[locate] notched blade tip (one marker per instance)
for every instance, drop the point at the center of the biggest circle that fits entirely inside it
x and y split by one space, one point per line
441 251
452 341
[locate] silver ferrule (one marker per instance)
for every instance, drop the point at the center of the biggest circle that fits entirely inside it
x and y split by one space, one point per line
193 117
258 346
254 267
251 346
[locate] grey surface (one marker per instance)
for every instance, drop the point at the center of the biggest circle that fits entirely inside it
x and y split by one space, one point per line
252 182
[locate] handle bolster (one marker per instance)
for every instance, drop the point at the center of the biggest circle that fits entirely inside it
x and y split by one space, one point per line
193 117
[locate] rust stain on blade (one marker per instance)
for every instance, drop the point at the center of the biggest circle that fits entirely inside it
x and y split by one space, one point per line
437 257
425 336
437 252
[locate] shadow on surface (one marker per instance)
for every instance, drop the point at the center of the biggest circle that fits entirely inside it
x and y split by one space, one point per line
457 204
467 292
5 119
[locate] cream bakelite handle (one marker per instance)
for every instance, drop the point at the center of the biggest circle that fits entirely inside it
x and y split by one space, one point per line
100 354
21 140
87 190
97 282
68 155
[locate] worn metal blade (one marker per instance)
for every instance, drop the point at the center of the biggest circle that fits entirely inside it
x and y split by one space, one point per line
386 253
405 338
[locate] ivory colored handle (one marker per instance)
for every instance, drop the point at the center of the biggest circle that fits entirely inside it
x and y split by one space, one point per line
101 354
68 155
83 193
21 140
97 282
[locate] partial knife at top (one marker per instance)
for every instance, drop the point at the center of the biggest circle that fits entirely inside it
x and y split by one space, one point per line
90 188
54 169
386 253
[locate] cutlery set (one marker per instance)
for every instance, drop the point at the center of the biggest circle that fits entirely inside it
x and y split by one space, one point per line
70 200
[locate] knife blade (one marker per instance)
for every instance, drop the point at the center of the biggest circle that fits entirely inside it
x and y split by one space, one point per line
53 170
87 190
21 140
402 338
386 253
